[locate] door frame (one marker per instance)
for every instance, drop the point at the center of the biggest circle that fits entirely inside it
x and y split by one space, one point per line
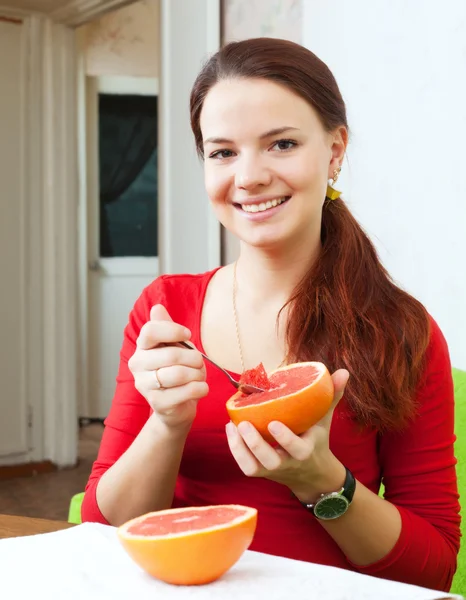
198 24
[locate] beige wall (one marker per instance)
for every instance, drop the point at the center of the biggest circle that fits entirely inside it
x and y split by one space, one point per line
257 18
123 42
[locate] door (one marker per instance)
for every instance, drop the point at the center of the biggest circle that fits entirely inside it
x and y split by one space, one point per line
123 219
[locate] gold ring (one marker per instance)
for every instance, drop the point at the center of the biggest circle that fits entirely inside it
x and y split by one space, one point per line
158 385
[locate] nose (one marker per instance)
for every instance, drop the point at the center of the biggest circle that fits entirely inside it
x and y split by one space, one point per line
251 173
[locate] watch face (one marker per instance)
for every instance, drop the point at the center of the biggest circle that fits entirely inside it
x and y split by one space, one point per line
331 507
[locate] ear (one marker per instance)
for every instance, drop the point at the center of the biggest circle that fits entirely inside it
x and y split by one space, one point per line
339 143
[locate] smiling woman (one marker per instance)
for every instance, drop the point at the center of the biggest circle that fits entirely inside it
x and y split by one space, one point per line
264 146
270 126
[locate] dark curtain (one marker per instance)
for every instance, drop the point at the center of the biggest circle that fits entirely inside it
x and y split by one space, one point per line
127 139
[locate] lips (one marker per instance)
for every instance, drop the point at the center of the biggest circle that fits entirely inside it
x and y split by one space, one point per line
261 206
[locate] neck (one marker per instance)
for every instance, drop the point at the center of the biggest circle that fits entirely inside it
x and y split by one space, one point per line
271 276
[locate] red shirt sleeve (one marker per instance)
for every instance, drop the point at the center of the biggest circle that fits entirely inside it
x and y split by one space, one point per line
419 473
129 411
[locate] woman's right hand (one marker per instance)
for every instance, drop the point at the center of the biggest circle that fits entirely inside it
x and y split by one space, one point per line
180 372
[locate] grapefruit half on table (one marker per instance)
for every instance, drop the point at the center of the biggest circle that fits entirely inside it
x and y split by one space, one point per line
298 395
189 546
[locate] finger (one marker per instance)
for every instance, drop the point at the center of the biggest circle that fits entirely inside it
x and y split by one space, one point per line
261 450
165 400
166 356
340 380
241 453
297 447
169 377
154 333
159 313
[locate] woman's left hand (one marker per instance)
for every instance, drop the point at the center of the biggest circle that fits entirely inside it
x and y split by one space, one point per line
304 463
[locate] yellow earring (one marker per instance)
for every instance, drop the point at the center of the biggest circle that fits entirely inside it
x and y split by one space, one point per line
332 193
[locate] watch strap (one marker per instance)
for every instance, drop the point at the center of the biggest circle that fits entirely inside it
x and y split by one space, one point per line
348 489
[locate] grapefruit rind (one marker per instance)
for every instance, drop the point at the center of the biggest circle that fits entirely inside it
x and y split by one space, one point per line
298 410
197 558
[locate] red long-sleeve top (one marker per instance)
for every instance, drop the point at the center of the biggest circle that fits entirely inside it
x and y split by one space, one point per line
417 465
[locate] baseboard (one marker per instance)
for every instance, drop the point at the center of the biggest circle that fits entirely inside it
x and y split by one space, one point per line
27 469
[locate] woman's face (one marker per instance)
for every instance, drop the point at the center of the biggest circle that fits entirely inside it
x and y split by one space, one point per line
267 161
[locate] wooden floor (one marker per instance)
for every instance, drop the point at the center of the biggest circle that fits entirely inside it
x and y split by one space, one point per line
48 495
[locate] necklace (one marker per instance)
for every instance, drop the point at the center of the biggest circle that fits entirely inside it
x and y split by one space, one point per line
235 314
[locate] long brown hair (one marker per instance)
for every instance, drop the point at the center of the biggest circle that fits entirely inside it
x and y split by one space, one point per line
346 311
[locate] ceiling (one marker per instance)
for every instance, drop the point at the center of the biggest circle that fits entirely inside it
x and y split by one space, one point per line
45 6
69 12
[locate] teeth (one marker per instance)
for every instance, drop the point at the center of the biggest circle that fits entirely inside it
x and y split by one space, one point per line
253 208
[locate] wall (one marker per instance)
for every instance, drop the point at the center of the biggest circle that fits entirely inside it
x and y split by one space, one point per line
401 68
262 18
244 19
122 42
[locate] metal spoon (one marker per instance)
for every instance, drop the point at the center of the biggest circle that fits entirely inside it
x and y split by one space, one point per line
245 388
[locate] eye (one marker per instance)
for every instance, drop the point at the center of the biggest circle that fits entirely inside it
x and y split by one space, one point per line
284 145
219 154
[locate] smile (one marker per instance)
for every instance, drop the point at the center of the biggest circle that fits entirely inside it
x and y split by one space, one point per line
263 206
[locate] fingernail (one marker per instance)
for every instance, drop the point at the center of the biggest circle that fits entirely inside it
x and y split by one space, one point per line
187 332
230 429
244 428
275 428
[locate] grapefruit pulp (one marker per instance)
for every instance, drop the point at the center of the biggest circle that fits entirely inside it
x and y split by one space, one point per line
297 395
189 546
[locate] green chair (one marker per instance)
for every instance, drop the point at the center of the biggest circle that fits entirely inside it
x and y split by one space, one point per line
74 512
459 379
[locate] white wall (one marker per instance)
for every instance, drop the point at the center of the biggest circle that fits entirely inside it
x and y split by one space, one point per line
190 32
401 67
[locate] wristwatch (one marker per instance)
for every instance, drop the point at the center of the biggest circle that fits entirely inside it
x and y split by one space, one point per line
334 504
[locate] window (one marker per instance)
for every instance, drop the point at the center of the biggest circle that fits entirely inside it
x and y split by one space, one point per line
128 175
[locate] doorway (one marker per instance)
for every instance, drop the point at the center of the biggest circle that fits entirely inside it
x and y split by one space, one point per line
122 150
128 237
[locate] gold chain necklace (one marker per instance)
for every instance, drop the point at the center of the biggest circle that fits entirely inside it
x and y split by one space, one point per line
235 313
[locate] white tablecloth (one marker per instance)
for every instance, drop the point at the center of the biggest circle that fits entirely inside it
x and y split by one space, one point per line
87 562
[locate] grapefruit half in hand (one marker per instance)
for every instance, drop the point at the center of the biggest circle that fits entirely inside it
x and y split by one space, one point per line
189 546
298 395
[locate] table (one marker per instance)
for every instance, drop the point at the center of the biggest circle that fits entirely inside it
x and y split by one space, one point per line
14 526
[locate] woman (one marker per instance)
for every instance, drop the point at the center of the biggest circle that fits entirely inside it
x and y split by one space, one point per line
270 125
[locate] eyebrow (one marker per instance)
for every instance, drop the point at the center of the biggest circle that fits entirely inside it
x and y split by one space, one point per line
267 134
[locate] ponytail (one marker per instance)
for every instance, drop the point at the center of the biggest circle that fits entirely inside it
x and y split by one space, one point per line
348 313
